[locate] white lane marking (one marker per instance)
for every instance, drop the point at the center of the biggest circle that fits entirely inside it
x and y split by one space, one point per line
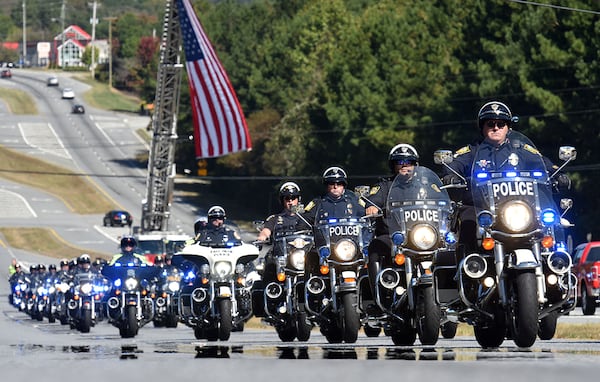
43 137
14 204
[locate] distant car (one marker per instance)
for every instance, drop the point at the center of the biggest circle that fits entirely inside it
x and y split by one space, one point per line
68 93
5 73
117 218
52 81
78 109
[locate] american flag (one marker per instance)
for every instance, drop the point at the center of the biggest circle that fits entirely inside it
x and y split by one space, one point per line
219 124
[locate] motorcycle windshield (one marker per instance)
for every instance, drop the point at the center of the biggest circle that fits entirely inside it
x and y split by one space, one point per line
510 187
122 272
417 210
334 233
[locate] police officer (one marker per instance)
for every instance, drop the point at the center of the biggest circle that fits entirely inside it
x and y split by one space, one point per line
128 254
337 202
494 149
402 160
285 222
216 232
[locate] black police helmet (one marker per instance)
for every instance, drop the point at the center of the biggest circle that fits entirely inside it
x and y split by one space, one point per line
494 110
289 189
128 241
402 151
216 212
335 175
84 259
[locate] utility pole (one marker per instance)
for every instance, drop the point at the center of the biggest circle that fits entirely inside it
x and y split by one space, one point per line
24 35
94 22
62 35
110 21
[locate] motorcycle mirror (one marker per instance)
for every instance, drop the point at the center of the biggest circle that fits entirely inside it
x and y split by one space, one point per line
362 191
442 157
566 203
259 225
566 153
298 209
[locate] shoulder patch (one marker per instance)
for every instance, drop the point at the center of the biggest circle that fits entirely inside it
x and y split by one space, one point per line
310 206
531 149
362 203
374 190
462 151
435 188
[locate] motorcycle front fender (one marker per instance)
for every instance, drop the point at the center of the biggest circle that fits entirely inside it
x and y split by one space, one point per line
524 259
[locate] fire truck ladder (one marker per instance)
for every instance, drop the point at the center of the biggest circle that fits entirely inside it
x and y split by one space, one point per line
161 162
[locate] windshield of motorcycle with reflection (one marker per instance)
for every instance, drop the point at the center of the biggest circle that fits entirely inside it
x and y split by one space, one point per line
511 182
417 199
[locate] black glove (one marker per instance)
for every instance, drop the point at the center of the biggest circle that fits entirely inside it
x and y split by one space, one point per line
564 182
451 179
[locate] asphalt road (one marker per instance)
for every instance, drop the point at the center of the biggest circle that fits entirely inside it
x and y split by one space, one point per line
101 144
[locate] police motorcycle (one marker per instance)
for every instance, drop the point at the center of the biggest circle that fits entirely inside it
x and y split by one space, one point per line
519 281
417 214
331 293
166 300
215 297
129 305
87 291
19 284
283 296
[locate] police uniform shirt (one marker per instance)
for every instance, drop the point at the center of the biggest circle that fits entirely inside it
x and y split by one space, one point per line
283 222
325 207
218 235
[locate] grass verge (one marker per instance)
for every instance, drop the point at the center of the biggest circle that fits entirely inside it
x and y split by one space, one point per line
75 190
18 101
45 241
101 96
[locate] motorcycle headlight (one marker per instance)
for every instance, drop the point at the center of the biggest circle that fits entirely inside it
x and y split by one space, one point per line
51 290
131 283
345 250
297 259
423 236
41 290
173 286
516 216
223 268
86 288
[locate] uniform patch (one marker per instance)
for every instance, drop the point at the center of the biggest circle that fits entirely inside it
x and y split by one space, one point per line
310 206
374 190
462 151
435 188
531 149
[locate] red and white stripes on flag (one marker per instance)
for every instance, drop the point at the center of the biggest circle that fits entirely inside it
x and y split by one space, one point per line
219 124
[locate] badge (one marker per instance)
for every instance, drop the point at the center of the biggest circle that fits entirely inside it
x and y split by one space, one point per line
513 159
483 163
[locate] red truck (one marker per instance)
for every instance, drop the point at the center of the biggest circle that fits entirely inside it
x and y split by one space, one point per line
586 266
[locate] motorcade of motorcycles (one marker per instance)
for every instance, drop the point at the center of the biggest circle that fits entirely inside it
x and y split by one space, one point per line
331 293
417 214
281 295
215 296
129 304
519 281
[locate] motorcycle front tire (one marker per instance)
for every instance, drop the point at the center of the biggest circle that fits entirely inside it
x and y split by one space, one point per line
351 318
225 321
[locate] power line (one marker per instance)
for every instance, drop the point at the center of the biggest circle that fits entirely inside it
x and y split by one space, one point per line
556 7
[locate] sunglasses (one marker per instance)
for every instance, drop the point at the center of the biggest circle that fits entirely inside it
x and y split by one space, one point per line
491 123
405 162
335 183
289 198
